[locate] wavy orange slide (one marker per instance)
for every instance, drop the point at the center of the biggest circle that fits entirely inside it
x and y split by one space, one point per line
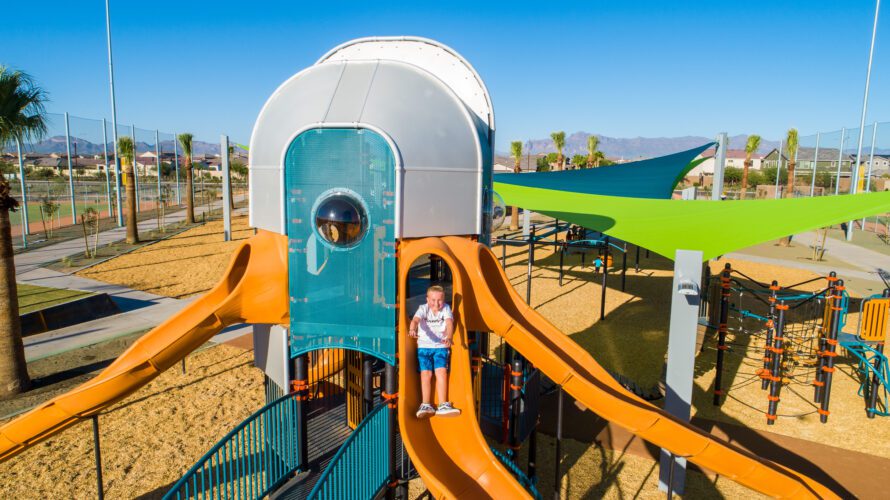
253 290
487 302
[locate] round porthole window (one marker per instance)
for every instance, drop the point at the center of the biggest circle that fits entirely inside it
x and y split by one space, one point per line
340 218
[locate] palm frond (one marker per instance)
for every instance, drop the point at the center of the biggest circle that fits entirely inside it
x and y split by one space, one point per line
22 111
125 148
753 144
791 143
185 140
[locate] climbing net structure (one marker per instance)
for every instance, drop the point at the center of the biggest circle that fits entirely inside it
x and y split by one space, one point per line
784 338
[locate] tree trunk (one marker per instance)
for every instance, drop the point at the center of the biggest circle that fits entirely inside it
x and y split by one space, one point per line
789 190
745 180
190 193
13 368
132 230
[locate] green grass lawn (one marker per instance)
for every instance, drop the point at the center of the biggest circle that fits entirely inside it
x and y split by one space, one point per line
34 298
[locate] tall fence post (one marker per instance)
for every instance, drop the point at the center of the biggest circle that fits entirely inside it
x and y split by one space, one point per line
70 171
840 158
779 166
107 168
25 228
719 165
158 165
815 166
135 168
176 167
98 456
871 162
227 188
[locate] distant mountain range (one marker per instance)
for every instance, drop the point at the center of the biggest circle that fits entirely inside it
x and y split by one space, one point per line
56 144
637 147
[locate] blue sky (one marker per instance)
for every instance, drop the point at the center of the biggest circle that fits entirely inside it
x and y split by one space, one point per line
620 69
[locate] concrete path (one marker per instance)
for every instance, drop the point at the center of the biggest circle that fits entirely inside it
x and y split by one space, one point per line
32 259
863 258
140 310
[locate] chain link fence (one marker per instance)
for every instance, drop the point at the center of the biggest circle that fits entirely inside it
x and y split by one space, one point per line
71 171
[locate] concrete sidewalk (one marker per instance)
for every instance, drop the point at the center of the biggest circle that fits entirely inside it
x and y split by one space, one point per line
32 259
863 258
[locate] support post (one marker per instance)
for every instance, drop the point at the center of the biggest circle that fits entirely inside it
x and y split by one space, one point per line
301 390
815 166
721 331
176 167
685 300
637 259
391 395
97 452
875 380
779 168
604 284
25 228
504 256
831 346
840 157
776 353
719 166
770 331
227 187
562 253
368 383
558 460
135 167
70 171
531 261
871 162
158 165
515 400
107 169
824 334
624 268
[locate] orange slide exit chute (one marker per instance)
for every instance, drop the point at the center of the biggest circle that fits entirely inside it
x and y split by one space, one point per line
450 454
253 290
491 304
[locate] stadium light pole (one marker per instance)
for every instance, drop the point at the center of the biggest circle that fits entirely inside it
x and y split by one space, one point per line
117 160
854 181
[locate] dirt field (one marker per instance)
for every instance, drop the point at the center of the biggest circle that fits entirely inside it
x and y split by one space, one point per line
222 388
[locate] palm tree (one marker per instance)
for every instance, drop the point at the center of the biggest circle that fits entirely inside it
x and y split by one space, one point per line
185 140
22 117
751 147
592 143
125 150
516 153
791 143
559 142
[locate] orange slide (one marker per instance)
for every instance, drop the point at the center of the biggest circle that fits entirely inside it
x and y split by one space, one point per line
253 290
452 456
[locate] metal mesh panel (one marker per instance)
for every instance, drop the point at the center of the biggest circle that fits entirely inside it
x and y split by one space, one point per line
342 297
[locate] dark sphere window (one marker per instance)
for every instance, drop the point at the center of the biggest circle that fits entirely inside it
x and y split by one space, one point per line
341 220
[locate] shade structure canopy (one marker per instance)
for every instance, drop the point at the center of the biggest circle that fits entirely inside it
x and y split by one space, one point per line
652 178
714 227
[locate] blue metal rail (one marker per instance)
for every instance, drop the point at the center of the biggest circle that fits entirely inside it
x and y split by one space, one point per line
360 467
250 461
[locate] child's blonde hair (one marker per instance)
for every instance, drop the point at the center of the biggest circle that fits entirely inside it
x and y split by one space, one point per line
435 288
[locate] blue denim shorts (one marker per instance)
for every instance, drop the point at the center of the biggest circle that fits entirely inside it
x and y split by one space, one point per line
429 359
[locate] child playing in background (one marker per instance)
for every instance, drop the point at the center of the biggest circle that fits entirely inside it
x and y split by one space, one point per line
433 326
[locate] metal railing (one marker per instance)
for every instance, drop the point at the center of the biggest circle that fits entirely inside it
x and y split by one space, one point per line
360 467
250 461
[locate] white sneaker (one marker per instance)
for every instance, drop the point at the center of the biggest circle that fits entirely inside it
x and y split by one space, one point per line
426 410
447 410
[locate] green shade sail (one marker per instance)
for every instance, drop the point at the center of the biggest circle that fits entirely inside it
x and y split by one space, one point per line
714 227
652 178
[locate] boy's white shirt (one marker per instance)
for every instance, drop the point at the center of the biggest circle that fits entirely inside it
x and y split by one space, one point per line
431 328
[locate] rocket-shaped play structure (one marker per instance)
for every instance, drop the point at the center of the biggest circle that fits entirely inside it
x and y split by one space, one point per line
363 167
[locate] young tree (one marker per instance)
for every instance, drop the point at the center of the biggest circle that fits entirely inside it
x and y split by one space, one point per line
559 142
22 117
516 153
750 148
592 158
125 150
791 142
185 140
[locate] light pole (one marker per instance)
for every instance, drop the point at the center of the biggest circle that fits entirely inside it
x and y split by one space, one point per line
854 181
117 160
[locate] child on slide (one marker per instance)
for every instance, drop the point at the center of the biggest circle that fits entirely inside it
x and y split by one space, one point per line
433 326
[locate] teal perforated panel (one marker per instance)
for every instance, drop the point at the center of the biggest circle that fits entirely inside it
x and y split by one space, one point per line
341 297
